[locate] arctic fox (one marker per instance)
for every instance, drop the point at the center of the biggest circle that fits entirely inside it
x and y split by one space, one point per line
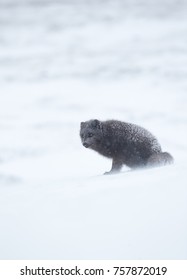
124 143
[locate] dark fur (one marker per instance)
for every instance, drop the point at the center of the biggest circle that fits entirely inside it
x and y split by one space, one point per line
125 143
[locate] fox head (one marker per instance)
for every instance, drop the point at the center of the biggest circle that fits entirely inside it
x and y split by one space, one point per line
91 133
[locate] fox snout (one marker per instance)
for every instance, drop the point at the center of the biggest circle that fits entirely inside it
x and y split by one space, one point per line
85 144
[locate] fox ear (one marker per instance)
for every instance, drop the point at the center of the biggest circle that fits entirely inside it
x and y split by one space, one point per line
82 124
96 124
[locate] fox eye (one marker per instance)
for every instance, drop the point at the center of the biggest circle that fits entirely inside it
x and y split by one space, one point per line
90 134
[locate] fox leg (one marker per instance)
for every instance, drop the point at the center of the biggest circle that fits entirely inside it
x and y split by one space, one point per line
116 166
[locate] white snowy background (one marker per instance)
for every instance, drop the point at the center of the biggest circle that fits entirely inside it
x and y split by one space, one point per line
66 61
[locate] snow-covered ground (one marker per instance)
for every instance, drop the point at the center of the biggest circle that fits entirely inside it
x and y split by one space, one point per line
63 62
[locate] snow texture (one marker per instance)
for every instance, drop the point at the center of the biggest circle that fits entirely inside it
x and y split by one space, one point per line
63 62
